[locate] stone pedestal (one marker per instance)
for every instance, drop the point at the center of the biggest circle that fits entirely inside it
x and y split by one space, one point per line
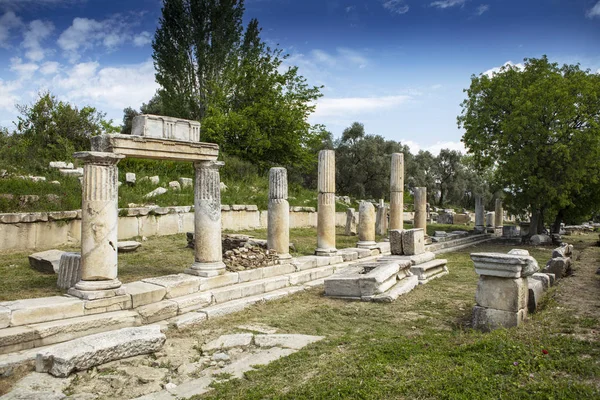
499 222
366 225
397 192
479 216
326 205
351 222
421 208
99 221
381 222
413 241
502 292
278 224
207 220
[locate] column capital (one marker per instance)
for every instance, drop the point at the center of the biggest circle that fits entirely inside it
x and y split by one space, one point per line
209 164
98 157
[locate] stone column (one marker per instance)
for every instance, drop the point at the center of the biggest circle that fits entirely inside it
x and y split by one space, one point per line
381 223
421 208
350 222
366 225
326 206
479 216
207 220
99 222
397 192
278 225
499 214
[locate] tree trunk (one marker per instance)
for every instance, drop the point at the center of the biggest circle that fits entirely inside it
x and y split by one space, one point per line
557 222
534 222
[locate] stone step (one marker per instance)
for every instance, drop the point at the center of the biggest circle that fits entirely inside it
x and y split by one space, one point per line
401 287
248 289
414 259
453 245
311 275
431 268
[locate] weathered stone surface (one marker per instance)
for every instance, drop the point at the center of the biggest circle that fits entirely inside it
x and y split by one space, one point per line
187 320
348 255
543 278
128 246
326 204
186 182
429 269
31 311
490 219
81 354
174 186
502 293
401 287
229 278
311 275
157 311
396 191
381 219
479 215
130 178
504 265
116 303
4 317
193 302
156 192
159 126
488 318
229 341
540 239
69 272
143 293
218 310
176 285
420 218
288 341
565 250
536 292
47 261
396 241
351 222
71 172
380 279
16 338
384 247
560 267
519 252
413 241
40 386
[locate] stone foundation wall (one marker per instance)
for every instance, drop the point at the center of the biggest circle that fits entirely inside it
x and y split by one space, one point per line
44 230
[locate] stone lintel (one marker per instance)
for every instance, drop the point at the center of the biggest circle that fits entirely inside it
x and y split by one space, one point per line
98 157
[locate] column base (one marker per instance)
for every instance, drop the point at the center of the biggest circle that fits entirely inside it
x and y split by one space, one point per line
206 269
94 290
284 258
366 244
479 228
326 252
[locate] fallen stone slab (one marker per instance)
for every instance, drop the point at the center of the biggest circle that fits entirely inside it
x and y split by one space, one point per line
536 291
558 266
401 287
288 341
81 354
128 246
47 261
229 341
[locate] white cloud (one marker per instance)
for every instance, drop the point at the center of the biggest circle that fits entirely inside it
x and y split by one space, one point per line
447 3
36 32
396 6
350 8
343 57
322 57
29 4
49 68
142 39
8 21
481 9
344 107
8 97
490 72
23 70
594 11
352 56
438 146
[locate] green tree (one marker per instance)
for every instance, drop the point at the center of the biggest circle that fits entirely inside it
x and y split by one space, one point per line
422 172
538 129
450 176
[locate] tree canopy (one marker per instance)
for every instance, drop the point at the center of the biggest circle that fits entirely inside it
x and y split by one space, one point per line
538 129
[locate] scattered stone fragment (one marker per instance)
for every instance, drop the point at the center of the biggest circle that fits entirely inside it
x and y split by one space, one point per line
186 182
175 186
78 172
130 178
154 180
223 187
28 199
537 240
128 246
47 261
69 272
229 341
156 192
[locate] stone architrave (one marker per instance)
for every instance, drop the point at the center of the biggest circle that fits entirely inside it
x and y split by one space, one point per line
326 205
278 224
351 222
159 126
99 221
499 214
420 208
366 225
207 221
397 192
479 216
381 222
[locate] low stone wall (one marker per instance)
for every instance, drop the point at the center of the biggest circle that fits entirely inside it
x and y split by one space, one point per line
44 230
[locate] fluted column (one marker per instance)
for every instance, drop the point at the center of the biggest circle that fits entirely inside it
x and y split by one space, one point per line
397 192
421 208
99 222
366 225
278 224
207 220
499 214
479 216
326 206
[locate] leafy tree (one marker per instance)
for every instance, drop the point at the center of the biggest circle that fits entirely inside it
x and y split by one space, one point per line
153 106
450 176
538 129
422 172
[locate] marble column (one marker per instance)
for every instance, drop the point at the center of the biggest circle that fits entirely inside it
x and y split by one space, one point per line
207 220
326 205
366 225
397 192
499 214
99 222
479 215
421 208
381 223
278 224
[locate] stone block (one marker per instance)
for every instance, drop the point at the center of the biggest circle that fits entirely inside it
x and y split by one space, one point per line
79 355
16 339
128 246
4 317
519 252
278 294
116 303
487 319
504 265
250 275
186 182
384 247
225 342
69 272
176 285
276 283
298 278
543 278
414 260
502 293
218 310
536 292
306 262
560 267
47 261
429 269
288 341
348 255
187 320
128 228
193 302
31 311
401 287
95 294
213 282
130 178
157 311
277 270
413 241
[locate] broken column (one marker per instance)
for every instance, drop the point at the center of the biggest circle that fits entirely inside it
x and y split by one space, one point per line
479 217
366 225
381 222
207 220
397 192
351 222
499 222
490 220
99 221
502 292
326 205
420 208
278 225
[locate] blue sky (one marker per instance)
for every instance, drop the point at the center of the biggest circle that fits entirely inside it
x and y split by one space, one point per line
398 66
